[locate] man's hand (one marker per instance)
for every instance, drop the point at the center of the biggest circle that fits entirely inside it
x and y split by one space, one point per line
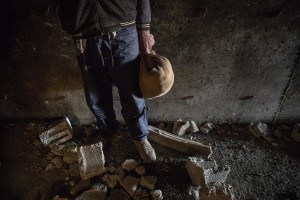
146 41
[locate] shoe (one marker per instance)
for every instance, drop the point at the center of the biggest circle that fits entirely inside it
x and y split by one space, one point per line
145 150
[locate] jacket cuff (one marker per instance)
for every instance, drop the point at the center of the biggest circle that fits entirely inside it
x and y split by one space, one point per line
143 27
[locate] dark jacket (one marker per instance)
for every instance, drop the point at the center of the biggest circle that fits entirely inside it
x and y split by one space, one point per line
86 17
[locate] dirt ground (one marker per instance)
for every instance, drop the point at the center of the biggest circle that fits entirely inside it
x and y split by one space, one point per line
260 170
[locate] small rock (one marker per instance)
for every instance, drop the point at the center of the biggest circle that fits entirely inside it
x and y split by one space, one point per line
261 130
194 191
80 186
130 184
148 182
193 128
177 124
140 170
58 162
74 169
70 157
217 192
141 194
112 169
118 194
156 195
49 167
96 193
129 164
207 127
296 132
120 173
50 156
110 180
37 143
182 129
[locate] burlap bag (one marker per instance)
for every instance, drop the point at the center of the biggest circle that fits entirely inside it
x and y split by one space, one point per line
156 75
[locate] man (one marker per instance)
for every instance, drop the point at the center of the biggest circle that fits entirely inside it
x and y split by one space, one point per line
111 57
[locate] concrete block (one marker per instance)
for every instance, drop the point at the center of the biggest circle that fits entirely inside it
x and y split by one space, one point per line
110 180
59 133
193 127
149 182
130 184
129 164
156 195
118 194
260 130
217 192
207 127
93 194
182 129
194 191
140 170
80 186
296 132
91 160
120 173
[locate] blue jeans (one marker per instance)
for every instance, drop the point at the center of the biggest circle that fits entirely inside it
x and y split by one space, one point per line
104 64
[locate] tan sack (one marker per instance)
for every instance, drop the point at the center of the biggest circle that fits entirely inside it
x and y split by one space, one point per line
156 75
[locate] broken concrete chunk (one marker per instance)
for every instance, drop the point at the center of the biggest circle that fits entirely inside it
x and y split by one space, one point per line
204 172
148 182
156 195
176 125
110 180
118 194
217 192
80 186
296 132
140 170
260 130
130 184
129 164
70 157
193 127
207 127
194 191
59 133
91 160
58 162
182 129
120 173
93 194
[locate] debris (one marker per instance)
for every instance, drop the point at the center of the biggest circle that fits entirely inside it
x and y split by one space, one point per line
140 170
118 194
120 173
129 164
91 160
70 157
204 172
49 167
92 195
112 169
74 169
194 191
217 192
141 194
177 124
156 195
193 128
57 134
261 130
148 182
181 144
207 127
130 184
296 132
80 186
58 162
182 129
110 180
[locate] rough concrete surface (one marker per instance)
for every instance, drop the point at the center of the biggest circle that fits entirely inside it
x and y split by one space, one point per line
232 60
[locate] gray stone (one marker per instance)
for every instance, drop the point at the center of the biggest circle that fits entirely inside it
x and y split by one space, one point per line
194 191
118 194
176 125
182 129
110 180
217 192
296 132
59 133
130 184
140 170
91 160
204 172
207 127
193 127
129 164
80 186
148 182
156 195
261 130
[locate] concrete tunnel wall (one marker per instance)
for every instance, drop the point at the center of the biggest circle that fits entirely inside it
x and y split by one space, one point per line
234 61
